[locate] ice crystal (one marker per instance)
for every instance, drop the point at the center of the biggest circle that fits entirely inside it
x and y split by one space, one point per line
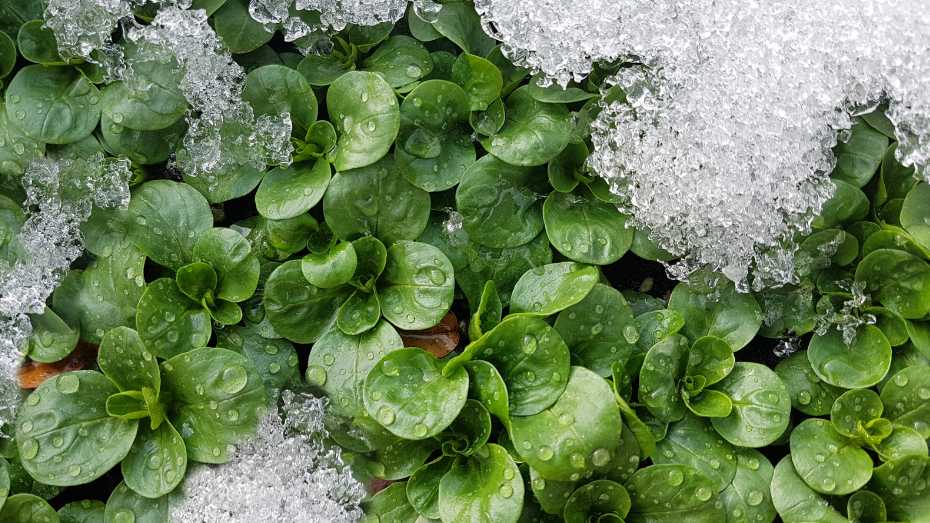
60 194
286 473
722 145
786 347
849 316
224 133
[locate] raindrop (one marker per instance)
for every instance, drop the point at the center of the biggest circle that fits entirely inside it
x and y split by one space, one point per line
67 384
235 379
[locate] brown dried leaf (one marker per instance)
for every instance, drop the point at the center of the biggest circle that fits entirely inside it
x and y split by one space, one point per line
438 340
33 373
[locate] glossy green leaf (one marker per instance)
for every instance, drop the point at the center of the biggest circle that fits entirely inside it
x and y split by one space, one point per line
459 22
847 204
407 393
488 314
862 364
331 269
196 280
858 159
389 504
487 386
902 484
854 408
481 79
663 493
360 312
795 501
52 339
400 60
124 359
274 359
401 458
125 505
417 285
693 442
237 29
64 434
549 289
809 394
37 43
898 280
533 132
84 511
286 192
52 104
365 112
165 221
484 488
142 147
423 486
663 367
761 406
915 214
299 311
27 508
575 435
169 322
499 203
905 398
377 201
748 498
598 329
230 255
826 461
470 430
276 89
218 400
157 461
722 312
586 229
600 499
7 54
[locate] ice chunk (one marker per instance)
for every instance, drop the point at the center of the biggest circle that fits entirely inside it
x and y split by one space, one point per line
60 194
286 473
721 148
224 133
84 26
850 315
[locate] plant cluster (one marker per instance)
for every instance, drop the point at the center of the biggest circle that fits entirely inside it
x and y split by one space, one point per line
434 183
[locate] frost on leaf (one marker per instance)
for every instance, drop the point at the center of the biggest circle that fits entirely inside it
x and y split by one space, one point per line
286 473
223 131
721 148
60 194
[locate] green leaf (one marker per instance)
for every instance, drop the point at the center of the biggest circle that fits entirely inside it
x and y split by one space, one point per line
692 442
276 89
169 322
847 204
598 500
722 311
142 147
157 461
129 405
708 403
855 407
585 229
711 359
663 493
52 339
367 129
359 313
287 192
555 93
574 436
858 159
867 507
761 406
166 219
125 505
902 484
299 311
915 214
274 359
7 54
469 432
809 394
331 269
375 200
486 487
37 43
423 486
897 279
17 149
862 364
389 504
401 458
490 121
655 326
827 461
487 386
4 480
531 358
158 107
238 30
499 203
905 399
322 70
533 132
459 22
663 367
218 400
372 258
481 79
84 511
795 501
598 329
64 434
400 60
407 393
52 104
488 314
417 285
549 289
124 359
748 497
26 508
230 255
196 280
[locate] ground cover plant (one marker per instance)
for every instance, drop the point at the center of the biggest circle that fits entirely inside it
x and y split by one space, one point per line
437 260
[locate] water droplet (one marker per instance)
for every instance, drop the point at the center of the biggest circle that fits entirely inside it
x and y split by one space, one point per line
545 453
124 516
389 368
703 493
234 380
804 397
420 430
232 415
506 491
364 96
385 416
274 368
600 457
67 384
577 461
754 498
675 477
155 462
29 449
539 484
828 484
900 380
